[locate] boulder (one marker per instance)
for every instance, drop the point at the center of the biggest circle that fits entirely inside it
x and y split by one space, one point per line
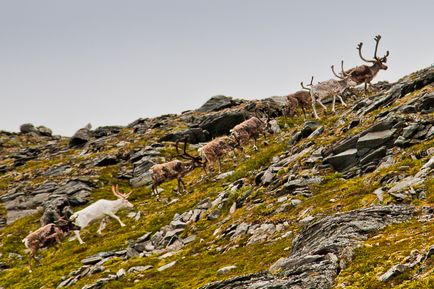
220 123
216 103
376 139
193 135
27 128
80 137
343 160
44 131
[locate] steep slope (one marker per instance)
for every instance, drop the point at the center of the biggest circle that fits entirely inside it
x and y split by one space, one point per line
346 201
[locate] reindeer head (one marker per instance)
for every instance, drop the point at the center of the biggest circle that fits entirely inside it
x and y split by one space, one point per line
123 197
194 161
66 225
264 118
377 61
309 85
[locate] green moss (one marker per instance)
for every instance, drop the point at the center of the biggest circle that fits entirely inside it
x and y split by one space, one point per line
383 251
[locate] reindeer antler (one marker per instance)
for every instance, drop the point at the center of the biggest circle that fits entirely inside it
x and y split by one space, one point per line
310 84
359 48
384 58
115 190
333 70
185 154
377 41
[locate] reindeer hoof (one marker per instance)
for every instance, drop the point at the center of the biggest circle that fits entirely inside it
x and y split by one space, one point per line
123 225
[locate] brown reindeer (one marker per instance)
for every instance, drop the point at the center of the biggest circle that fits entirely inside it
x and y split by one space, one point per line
300 98
47 235
365 73
215 149
253 127
161 173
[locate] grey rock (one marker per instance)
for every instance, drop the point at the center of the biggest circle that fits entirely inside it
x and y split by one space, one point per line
216 103
27 128
220 123
376 139
318 249
104 131
44 131
225 270
267 177
167 266
193 136
375 155
343 160
144 238
392 272
121 273
189 239
80 138
91 260
108 160
137 269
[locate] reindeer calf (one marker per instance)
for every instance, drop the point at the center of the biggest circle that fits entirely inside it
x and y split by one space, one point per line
46 235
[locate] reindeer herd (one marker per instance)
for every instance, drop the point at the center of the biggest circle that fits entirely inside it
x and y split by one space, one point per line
317 93
210 153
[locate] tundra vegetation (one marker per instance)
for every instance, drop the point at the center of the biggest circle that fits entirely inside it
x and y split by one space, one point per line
249 217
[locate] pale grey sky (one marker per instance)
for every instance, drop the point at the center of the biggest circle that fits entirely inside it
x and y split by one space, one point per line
66 63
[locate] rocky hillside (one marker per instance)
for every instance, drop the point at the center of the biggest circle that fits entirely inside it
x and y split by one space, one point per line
343 202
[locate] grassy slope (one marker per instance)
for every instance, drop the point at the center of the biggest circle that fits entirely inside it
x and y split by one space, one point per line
198 261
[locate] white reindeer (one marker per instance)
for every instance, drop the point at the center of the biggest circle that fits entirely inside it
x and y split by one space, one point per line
101 209
329 88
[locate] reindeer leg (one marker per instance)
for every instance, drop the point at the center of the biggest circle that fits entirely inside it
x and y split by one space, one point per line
255 148
314 110
32 254
235 157
323 106
57 246
342 101
102 225
220 165
304 112
110 214
183 185
334 101
78 237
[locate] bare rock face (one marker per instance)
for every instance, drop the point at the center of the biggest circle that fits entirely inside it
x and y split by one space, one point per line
216 103
27 128
80 137
321 249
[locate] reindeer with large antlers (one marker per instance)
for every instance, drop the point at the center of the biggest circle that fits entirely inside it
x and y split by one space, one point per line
365 73
161 173
101 209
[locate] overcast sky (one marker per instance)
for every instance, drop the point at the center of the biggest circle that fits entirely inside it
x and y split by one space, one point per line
64 64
